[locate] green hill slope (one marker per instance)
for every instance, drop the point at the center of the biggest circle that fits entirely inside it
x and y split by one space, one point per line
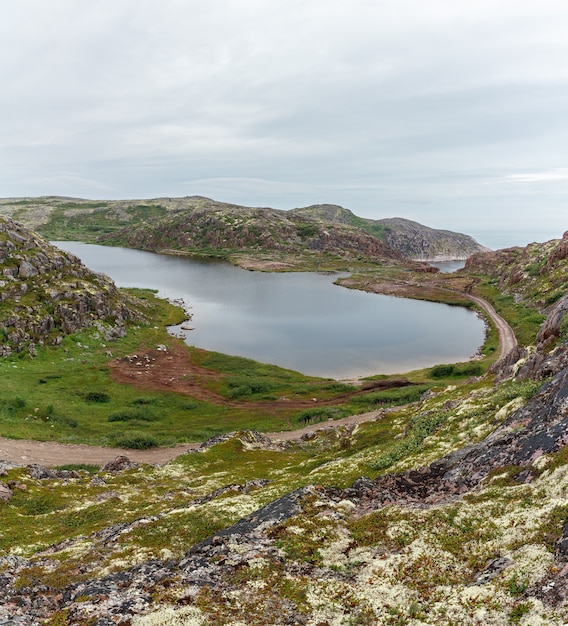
203 226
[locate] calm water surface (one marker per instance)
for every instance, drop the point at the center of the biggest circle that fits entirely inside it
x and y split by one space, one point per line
298 320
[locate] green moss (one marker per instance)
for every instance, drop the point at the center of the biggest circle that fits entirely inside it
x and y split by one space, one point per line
550 530
374 529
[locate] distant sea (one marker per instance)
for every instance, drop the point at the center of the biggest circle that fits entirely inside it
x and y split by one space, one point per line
498 239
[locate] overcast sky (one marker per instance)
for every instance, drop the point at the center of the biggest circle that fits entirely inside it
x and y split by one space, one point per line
454 114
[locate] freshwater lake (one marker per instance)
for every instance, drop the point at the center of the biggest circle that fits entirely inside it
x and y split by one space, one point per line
301 321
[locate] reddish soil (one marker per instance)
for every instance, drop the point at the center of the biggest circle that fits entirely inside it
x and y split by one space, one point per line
172 370
167 370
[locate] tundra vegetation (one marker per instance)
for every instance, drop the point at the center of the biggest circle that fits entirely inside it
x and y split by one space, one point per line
449 507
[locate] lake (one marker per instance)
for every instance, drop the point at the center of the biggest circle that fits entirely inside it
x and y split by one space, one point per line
301 321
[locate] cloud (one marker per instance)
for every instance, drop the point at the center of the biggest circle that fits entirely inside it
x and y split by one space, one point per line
550 176
418 109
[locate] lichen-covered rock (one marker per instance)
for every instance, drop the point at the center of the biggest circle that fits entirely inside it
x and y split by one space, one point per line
120 464
536 429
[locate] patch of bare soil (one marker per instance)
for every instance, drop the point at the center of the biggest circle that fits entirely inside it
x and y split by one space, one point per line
167 370
262 265
172 370
52 454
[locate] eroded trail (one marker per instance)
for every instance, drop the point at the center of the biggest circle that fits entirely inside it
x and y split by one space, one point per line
51 453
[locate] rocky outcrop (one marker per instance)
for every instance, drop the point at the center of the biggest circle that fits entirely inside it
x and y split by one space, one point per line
536 429
535 274
549 354
421 243
411 239
46 293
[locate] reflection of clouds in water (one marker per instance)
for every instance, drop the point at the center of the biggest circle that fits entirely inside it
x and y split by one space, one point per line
297 320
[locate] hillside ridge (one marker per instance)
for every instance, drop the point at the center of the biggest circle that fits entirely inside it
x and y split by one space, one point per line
158 224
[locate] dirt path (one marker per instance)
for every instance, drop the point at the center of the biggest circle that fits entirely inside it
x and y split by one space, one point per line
51 453
507 339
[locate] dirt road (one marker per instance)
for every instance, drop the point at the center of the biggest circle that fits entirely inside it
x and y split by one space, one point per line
51 453
507 339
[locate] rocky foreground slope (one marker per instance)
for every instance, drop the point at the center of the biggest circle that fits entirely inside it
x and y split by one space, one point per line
46 293
452 510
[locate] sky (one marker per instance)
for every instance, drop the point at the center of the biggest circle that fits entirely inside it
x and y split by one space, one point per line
453 114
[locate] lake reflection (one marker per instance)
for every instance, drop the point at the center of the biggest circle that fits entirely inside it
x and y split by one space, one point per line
296 320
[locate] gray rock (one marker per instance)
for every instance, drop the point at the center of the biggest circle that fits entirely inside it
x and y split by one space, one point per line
5 492
26 270
492 570
38 472
119 464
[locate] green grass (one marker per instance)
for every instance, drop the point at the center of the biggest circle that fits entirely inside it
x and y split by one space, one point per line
90 221
524 320
457 370
389 397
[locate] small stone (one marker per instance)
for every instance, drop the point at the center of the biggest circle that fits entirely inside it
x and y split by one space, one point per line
119 464
5 492
38 472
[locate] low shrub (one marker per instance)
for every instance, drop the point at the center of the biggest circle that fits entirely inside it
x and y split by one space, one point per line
242 387
88 467
143 401
132 415
391 397
456 370
63 420
137 442
319 414
97 397
17 403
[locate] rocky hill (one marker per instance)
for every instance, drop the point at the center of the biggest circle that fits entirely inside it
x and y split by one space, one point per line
229 230
535 273
46 293
413 240
206 226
